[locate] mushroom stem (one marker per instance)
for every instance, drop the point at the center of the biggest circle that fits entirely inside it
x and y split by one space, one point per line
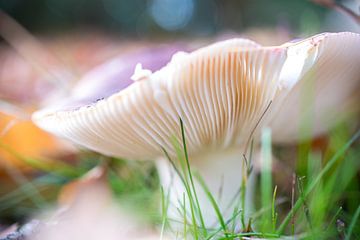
223 172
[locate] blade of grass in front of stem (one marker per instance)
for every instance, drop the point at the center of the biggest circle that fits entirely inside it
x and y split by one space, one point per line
188 223
266 178
243 196
232 219
236 209
174 166
312 185
186 185
246 171
191 178
213 202
250 157
353 223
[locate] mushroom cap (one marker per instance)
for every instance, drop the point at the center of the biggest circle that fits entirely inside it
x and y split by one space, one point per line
220 92
325 94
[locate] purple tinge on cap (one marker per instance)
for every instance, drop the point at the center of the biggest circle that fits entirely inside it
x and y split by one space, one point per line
295 40
115 75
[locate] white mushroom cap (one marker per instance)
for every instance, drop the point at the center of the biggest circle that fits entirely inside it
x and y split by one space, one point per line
326 92
220 92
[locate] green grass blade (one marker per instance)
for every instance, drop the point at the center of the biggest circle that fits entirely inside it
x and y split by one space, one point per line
243 196
190 176
250 234
187 188
31 190
312 185
273 212
352 224
213 202
332 221
305 205
232 219
266 178
164 208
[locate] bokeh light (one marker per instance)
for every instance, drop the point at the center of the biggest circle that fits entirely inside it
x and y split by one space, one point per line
172 14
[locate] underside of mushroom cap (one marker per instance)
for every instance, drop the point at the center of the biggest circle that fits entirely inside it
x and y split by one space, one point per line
220 92
323 95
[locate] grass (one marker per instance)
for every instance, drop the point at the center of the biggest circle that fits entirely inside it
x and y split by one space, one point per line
213 203
326 194
315 193
311 186
266 180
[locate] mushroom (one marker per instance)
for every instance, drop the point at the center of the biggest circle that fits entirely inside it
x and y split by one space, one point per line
224 94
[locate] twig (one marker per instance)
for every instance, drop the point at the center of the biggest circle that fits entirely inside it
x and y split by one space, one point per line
340 8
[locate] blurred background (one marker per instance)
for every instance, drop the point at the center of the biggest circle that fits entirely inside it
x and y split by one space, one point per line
172 19
46 44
